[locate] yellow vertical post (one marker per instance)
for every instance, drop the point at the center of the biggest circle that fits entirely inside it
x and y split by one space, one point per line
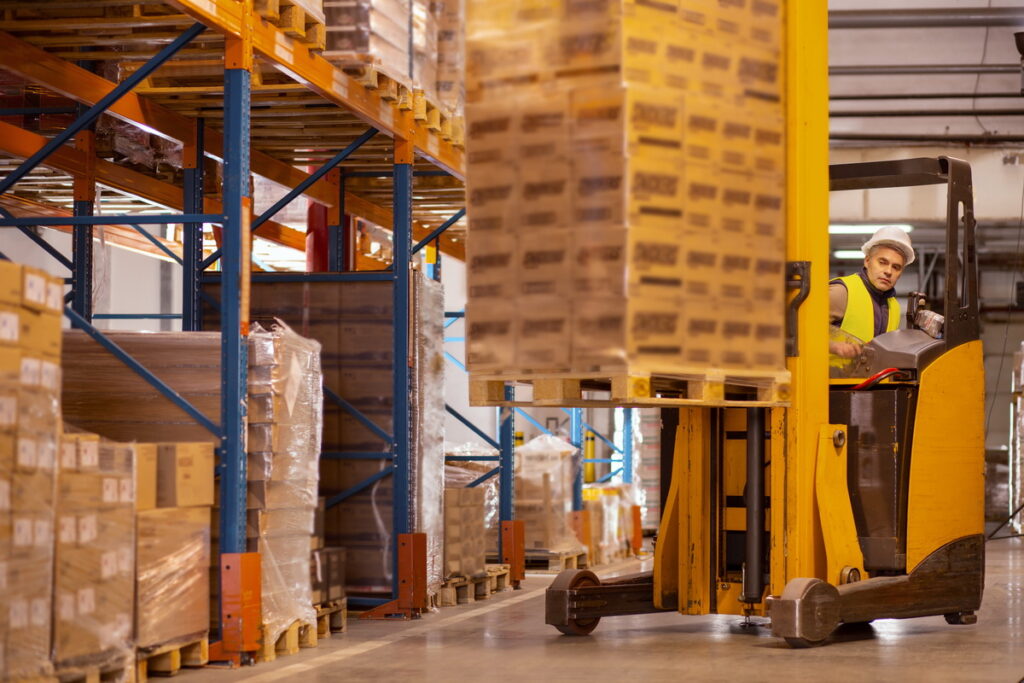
797 546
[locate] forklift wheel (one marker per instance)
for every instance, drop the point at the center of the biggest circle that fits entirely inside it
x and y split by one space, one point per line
568 580
800 643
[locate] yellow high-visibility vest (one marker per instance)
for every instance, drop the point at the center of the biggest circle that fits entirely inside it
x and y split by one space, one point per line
859 318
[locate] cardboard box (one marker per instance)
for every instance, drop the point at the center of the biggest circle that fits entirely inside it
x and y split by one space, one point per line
146 466
491 269
40 332
184 475
172 574
10 324
491 335
10 283
544 261
544 334
33 289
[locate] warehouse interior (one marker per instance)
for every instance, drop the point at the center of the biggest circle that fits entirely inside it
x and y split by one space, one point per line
604 236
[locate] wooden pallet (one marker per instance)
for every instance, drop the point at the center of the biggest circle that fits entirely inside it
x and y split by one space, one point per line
548 562
498 578
293 639
103 667
168 660
395 88
746 389
331 618
294 20
461 590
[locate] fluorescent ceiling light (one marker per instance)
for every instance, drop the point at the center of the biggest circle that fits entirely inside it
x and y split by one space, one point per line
865 229
849 254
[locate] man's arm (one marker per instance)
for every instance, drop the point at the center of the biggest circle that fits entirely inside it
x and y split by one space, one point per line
837 298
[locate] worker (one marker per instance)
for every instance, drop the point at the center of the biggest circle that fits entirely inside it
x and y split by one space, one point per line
864 305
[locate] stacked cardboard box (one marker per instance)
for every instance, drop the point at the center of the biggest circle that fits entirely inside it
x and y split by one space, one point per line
546 471
94 565
173 547
30 319
377 30
611 522
285 428
385 33
625 182
353 323
464 534
451 55
327 575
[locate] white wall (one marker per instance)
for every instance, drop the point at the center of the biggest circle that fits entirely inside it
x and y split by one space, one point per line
124 281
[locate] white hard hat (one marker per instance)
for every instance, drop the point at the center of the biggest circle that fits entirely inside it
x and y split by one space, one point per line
891 236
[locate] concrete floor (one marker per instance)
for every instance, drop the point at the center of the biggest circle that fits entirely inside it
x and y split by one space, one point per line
505 638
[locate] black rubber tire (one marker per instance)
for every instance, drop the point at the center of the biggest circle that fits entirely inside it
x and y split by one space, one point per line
803 643
574 578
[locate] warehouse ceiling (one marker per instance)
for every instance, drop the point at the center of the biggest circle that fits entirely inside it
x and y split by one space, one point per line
928 71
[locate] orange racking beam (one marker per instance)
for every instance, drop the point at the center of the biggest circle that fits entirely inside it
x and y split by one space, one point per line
22 143
312 70
76 83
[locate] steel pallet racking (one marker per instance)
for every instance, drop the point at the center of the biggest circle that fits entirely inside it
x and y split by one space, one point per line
241 37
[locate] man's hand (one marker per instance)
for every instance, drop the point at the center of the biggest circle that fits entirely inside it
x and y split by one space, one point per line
845 349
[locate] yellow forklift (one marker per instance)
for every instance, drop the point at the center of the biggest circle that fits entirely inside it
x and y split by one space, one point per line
864 498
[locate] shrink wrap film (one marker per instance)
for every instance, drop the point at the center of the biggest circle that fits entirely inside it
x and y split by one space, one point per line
172 585
353 323
286 370
545 470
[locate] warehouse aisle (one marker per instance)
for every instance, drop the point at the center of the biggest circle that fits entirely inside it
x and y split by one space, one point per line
505 639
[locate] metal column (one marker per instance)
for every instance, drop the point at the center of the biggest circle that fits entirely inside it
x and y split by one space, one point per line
401 446
576 438
234 306
627 445
506 463
81 241
192 233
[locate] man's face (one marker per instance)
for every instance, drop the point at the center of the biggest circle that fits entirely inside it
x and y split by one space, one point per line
884 266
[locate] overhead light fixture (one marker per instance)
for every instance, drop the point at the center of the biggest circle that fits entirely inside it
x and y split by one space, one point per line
866 229
848 255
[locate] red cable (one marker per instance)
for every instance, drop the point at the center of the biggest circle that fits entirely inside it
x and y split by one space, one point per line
875 378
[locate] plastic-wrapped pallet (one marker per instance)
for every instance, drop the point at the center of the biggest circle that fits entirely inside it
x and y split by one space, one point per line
94 574
376 31
172 575
545 470
397 37
591 126
30 318
465 543
286 421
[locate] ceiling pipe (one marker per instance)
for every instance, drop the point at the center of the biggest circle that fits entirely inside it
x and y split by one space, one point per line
927 18
926 96
928 139
922 69
911 113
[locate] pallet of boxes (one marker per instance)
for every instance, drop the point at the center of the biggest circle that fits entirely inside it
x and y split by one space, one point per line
625 170
31 304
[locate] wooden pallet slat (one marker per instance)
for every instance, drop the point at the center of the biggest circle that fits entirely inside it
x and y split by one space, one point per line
694 388
331 618
294 638
168 660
